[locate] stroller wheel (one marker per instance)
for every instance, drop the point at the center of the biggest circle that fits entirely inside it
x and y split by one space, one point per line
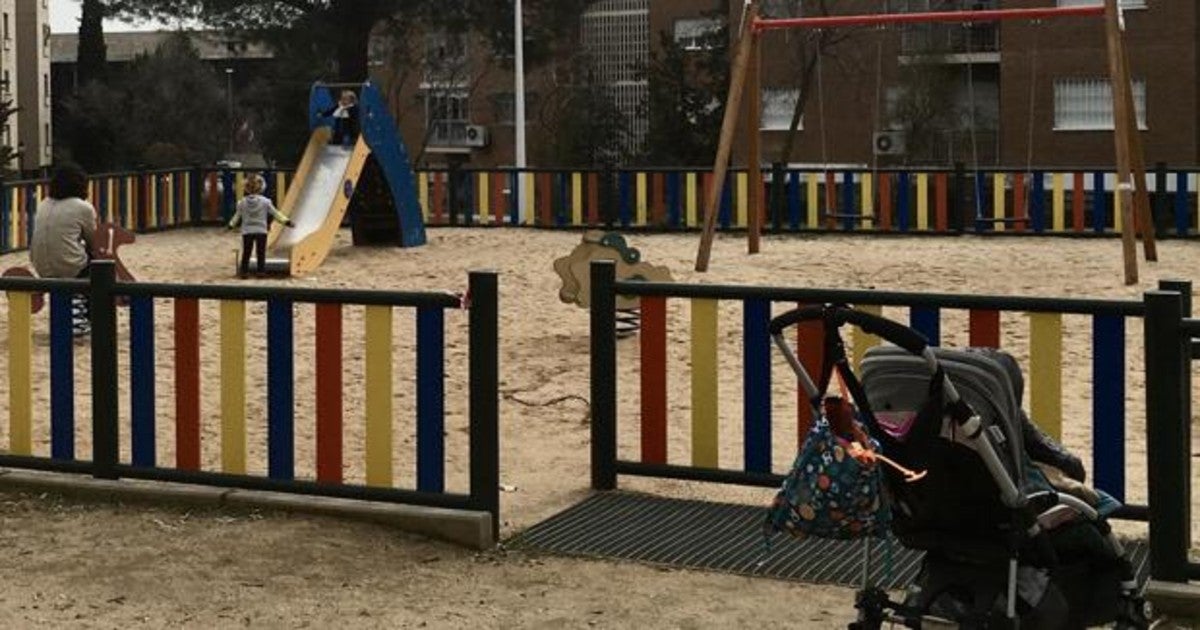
1134 614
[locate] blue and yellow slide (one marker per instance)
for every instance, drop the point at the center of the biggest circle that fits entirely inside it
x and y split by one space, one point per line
372 181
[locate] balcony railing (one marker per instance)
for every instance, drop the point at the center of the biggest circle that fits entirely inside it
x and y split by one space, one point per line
449 133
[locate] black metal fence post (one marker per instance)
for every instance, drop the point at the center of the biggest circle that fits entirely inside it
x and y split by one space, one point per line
1167 448
196 195
778 195
105 394
485 394
604 375
1160 209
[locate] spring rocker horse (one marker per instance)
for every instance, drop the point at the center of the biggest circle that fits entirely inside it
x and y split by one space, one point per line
573 270
108 239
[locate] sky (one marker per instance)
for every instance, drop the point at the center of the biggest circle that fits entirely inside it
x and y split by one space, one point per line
64 18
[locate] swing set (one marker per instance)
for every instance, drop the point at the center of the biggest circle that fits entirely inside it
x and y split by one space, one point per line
1132 196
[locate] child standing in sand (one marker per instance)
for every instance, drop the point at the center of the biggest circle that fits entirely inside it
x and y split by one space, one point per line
253 212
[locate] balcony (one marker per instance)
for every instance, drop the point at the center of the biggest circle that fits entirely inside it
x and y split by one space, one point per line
456 136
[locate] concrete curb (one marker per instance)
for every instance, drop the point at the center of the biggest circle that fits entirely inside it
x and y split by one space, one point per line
460 527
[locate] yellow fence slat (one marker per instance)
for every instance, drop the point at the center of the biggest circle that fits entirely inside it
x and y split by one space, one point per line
20 374
379 395
704 384
233 386
998 201
1045 372
922 201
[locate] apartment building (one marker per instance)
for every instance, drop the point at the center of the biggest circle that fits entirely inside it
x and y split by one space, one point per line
1006 93
32 48
1010 93
25 81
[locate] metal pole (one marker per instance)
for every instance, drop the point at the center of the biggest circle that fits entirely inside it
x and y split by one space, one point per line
484 360
229 96
1167 448
105 395
604 375
519 110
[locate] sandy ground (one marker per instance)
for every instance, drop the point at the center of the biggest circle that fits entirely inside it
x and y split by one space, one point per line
108 567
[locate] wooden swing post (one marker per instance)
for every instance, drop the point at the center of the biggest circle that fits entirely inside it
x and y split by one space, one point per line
733 103
1122 136
1130 161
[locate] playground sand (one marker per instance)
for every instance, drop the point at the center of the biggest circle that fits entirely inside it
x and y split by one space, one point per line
122 566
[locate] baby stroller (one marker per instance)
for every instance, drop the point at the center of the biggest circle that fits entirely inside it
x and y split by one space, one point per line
1003 547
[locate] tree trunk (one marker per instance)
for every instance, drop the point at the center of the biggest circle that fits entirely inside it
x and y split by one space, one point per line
92 54
354 20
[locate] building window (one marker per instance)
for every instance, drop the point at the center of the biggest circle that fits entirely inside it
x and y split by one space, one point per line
7 34
447 114
45 40
698 33
778 106
446 59
46 139
46 90
1087 104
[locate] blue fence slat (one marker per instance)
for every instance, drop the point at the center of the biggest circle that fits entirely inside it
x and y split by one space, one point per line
928 322
280 391
1108 405
625 193
562 209
1037 205
515 201
848 208
141 381
793 198
756 374
31 202
903 201
431 445
725 216
62 377
671 182
1182 197
1099 203
229 198
7 242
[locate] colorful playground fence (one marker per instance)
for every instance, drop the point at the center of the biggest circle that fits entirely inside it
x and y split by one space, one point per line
705 460
283 306
1063 202
904 201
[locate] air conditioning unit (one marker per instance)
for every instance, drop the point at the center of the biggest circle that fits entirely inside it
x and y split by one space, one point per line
476 136
889 143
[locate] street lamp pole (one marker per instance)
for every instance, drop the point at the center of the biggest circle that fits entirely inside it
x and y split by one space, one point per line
519 104
229 95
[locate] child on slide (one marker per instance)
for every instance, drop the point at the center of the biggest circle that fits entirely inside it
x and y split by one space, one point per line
345 119
253 212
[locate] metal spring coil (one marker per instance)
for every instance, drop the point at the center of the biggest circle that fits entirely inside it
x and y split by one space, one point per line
629 320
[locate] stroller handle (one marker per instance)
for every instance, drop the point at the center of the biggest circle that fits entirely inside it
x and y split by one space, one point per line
893 332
